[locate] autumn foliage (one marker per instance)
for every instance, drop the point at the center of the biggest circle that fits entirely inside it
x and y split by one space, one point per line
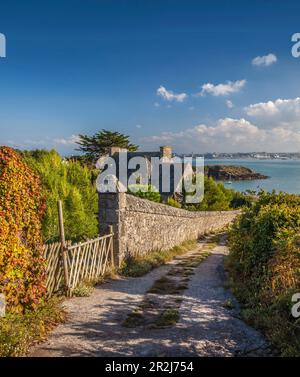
21 209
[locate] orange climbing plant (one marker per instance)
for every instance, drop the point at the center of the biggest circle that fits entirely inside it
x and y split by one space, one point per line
22 205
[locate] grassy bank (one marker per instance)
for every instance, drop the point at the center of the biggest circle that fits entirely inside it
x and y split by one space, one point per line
273 320
138 266
135 266
20 331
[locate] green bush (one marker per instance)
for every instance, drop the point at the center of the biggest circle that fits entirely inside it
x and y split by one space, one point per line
216 197
255 236
173 203
145 191
241 199
264 264
71 182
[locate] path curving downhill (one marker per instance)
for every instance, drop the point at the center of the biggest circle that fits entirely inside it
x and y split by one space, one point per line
207 327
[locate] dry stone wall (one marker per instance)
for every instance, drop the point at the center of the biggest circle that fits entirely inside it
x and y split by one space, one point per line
142 226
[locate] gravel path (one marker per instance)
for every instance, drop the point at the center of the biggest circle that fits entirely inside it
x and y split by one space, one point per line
206 327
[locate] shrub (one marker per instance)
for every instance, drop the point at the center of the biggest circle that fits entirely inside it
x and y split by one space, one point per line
71 182
264 264
145 191
255 236
22 206
173 203
241 199
216 197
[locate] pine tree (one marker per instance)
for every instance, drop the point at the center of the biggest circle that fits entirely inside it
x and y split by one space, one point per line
100 143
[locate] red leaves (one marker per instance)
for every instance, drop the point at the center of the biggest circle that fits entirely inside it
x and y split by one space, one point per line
22 205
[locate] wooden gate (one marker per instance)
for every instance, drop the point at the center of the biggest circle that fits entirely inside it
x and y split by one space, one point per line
67 265
86 261
54 270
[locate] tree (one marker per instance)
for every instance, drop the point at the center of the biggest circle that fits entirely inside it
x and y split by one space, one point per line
216 197
100 143
73 184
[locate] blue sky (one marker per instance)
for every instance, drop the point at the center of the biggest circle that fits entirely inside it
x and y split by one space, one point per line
78 66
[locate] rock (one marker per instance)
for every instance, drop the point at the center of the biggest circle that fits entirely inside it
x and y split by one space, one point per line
232 172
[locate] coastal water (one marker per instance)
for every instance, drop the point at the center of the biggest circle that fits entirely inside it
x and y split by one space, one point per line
284 174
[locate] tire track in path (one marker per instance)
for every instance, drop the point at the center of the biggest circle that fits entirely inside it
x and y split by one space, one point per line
206 327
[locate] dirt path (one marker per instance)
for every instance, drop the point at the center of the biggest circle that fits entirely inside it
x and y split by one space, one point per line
206 326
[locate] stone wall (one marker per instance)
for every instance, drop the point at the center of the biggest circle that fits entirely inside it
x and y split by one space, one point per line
141 226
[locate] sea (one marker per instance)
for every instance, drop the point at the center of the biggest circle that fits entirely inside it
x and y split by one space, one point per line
284 174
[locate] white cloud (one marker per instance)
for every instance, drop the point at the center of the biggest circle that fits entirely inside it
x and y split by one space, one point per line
47 142
31 142
156 104
225 134
235 130
229 135
168 95
229 104
262 109
222 89
72 140
138 126
265 60
279 113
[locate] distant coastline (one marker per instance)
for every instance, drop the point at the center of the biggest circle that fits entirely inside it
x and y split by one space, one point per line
247 156
284 174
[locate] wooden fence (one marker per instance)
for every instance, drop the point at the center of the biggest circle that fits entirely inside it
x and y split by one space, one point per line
85 261
54 269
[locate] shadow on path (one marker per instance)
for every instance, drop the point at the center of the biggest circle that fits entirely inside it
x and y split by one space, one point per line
205 328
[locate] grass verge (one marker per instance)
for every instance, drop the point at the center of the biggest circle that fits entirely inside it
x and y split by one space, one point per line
138 266
160 306
86 287
274 320
18 332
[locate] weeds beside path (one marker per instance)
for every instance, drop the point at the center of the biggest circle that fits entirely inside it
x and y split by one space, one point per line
19 331
204 321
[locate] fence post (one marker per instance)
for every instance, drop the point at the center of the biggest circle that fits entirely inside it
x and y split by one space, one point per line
63 245
111 231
